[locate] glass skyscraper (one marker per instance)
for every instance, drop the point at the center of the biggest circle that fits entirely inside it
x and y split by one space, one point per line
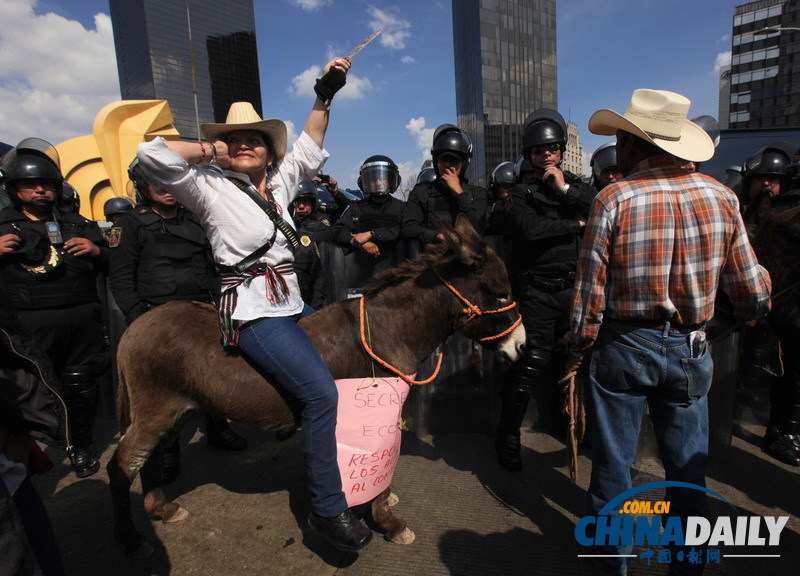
199 55
505 68
765 65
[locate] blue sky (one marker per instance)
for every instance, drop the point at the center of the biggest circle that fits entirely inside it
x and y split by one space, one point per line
58 67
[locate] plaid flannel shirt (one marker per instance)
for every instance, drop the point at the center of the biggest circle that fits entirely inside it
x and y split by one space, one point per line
657 246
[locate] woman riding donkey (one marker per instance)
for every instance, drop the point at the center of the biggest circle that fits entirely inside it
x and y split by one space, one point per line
243 211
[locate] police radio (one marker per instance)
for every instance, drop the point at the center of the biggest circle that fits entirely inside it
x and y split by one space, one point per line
54 233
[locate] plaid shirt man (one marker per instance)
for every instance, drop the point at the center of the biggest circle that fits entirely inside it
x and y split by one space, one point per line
652 248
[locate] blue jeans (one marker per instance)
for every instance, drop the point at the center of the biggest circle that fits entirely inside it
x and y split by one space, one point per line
632 366
282 352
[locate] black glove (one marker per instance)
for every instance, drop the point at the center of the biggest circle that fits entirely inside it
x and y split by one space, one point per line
327 86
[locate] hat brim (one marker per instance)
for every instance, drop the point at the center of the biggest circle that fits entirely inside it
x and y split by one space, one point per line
274 129
694 144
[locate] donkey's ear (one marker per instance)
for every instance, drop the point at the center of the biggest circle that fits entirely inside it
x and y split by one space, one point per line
464 241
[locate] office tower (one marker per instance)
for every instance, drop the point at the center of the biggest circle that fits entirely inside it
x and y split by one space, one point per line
199 55
505 68
765 65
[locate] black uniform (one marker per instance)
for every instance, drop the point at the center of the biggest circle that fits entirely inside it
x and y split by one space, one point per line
57 300
381 217
307 263
430 202
546 238
158 260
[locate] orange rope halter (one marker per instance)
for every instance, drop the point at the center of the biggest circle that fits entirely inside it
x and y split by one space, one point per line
471 311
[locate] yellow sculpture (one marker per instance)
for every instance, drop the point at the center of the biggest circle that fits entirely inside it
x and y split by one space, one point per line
97 165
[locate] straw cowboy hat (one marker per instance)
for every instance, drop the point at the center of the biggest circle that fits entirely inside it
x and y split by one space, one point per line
659 117
242 116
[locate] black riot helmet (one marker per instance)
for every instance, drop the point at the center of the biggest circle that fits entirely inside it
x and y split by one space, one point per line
502 175
771 160
31 159
426 175
732 178
378 175
604 157
307 190
523 169
543 127
116 205
140 182
448 138
70 199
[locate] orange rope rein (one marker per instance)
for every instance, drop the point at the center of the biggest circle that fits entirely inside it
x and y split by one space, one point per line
471 311
362 325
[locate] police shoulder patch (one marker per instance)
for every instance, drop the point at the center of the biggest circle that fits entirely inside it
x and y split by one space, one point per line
114 236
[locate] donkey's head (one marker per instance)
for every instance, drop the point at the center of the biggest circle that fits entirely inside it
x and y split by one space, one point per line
477 277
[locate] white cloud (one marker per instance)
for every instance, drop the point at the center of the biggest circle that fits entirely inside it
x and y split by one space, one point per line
395 30
354 89
422 136
55 75
407 60
723 60
309 5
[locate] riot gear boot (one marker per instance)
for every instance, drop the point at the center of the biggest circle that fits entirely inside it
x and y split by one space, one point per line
507 443
80 395
170 462
219 434
783 447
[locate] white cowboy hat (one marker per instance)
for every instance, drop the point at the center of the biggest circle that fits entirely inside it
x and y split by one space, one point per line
242 116
659 117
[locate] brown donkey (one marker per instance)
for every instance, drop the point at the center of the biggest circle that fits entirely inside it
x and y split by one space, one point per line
459 285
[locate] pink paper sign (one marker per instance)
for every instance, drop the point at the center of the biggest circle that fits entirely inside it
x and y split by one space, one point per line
368 432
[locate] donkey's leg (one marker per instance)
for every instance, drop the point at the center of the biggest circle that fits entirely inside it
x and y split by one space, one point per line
155 501
122 470
395 528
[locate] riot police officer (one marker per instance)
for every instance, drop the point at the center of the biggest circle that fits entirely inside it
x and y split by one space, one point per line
49 265
162 254
115 207
70 199
766 172
309 223
502 179
372 224
545 219
604 166
449 194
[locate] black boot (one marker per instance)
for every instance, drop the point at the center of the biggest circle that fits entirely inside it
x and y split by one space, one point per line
220 435
783 447
343 532
170 462
507 443
80 395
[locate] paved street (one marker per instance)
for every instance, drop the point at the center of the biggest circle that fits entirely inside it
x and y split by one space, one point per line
471 518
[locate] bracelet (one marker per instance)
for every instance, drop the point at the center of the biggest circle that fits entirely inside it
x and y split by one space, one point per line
202 152
213 152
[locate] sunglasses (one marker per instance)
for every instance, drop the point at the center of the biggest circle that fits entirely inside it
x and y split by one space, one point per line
539 150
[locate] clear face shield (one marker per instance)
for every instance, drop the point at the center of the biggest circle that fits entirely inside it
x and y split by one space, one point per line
379 178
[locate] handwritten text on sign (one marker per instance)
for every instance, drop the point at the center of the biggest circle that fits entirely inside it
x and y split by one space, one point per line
368 433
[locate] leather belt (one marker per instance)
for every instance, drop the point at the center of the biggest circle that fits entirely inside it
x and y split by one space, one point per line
653 324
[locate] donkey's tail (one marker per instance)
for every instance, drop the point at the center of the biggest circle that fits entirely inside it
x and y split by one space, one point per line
123 402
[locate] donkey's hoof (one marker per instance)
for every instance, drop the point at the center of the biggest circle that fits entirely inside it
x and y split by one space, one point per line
404 537
179 515
392 499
